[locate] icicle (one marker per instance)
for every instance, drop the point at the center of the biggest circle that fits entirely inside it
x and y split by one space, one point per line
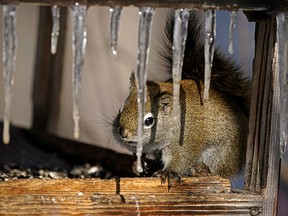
210 35
9 59
146 17
233 16
114 26
55 28
179 41
79 39
282 35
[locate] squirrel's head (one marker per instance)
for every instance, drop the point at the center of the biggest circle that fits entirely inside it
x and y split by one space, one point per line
157 118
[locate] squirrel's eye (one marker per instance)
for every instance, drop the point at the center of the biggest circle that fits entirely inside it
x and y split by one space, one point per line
148 120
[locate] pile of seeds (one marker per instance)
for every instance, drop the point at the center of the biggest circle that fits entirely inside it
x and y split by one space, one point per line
85 171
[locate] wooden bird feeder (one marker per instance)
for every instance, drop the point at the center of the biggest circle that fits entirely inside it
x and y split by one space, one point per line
209 195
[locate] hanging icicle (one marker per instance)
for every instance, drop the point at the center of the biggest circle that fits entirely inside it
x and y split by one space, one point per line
179 41
114 27
79 39
55 28
232 25
210 35
146 17
9 63
282 35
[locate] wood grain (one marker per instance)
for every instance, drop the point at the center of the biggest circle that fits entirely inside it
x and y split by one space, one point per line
128 196
262 158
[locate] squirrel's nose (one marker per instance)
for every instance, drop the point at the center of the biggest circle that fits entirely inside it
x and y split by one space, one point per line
124 133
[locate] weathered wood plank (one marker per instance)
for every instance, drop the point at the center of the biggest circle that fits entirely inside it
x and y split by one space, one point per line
262 158
256 5
198 185
145 196
272 153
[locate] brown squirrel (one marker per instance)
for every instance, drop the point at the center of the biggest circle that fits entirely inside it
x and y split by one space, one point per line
208 137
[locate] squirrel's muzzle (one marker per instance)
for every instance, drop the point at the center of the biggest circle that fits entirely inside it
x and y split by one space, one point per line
124 133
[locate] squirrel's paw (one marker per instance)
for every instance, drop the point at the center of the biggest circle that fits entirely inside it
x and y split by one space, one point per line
168 175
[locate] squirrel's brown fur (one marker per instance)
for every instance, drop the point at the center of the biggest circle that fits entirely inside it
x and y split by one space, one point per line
209 135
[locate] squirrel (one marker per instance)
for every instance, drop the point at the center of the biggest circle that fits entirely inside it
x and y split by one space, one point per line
208 137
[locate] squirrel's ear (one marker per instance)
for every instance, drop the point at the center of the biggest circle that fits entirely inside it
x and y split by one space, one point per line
132 81
166 101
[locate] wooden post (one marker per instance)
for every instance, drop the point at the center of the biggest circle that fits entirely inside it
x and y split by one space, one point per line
48 72
263 150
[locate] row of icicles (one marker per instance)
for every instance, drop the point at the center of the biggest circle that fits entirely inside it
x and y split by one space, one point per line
79 39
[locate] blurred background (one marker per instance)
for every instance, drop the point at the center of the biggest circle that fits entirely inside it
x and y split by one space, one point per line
105 82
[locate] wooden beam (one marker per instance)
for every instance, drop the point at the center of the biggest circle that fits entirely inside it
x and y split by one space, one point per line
256 5
137 196
212 4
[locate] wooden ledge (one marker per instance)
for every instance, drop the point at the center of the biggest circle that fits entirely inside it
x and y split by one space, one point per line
139 196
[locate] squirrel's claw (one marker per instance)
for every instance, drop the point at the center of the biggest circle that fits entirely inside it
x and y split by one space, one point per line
170 176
